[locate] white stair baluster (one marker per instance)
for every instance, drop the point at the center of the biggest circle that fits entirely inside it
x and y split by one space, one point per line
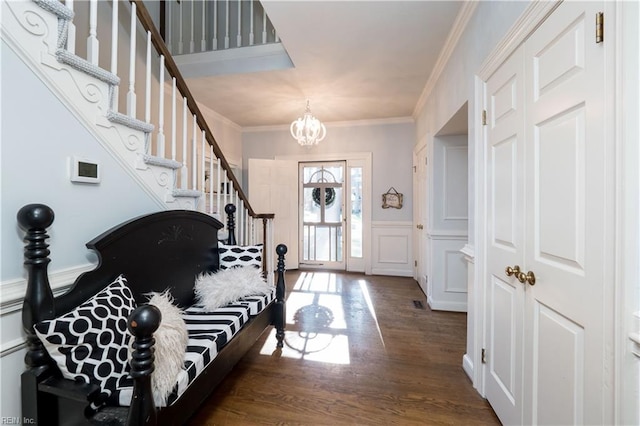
214 42
247 227
114 52
211 181
192 42
241 223
160 140
194 156
202 163
264 26
71 31
184 171
251 36
180 43
203 41
169 27
147 93
92 41
218 187
173 120
226 25
239 37
131 94
224 193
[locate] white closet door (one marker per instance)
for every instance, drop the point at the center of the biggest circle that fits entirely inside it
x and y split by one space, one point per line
569 205
505 246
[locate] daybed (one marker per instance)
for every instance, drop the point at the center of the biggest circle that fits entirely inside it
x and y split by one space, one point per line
152 253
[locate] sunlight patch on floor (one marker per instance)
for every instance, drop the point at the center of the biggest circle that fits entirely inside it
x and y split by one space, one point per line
316 324
372 311
317 347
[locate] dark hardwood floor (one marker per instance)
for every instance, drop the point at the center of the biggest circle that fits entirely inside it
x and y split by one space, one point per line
357 351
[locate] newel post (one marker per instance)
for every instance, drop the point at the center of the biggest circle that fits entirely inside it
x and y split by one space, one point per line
38 299
142 323
230 210
280 312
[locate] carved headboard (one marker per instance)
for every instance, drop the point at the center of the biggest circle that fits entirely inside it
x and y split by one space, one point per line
154 252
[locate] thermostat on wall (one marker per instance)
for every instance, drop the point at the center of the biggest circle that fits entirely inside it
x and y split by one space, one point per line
84 170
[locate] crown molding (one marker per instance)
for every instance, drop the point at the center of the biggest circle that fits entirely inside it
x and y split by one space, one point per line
460 24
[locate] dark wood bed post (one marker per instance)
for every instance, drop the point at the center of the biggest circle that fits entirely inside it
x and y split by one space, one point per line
142 323
230 210
37 306
280 312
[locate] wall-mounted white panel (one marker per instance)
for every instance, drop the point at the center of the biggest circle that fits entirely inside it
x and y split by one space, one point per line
392 248
447 279
455 183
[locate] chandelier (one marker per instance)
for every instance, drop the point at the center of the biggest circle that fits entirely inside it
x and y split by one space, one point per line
308 130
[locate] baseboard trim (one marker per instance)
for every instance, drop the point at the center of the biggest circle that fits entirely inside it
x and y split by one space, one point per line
447 306
467 366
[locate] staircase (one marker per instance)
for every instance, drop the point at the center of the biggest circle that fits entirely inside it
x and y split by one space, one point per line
130 94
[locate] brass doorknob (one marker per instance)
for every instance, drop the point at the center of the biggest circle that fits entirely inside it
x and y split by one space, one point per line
512 271
529 277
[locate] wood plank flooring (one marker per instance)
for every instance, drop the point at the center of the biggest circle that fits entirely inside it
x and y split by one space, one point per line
357 351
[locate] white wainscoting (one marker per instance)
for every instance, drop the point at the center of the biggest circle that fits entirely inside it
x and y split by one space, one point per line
447 284
392 248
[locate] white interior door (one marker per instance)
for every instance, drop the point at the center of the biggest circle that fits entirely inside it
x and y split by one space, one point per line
420 216
505 246
273 188
550 183
569 199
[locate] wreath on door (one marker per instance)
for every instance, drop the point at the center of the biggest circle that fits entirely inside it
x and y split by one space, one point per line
329 196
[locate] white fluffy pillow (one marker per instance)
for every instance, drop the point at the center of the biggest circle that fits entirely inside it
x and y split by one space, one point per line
170 347
215 290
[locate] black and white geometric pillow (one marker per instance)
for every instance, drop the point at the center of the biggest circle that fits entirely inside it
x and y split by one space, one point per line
231 256
90 343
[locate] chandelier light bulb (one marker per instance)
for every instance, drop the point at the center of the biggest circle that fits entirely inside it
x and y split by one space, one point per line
308 130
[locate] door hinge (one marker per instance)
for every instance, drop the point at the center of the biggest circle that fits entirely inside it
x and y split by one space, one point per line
484 117
415 263
415 169
484 356
599 27
426 161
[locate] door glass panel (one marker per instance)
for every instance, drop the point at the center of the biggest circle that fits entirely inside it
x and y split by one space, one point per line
356 211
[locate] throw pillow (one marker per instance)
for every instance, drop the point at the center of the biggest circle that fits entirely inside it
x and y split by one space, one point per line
214 290
170 347
232 256
90 342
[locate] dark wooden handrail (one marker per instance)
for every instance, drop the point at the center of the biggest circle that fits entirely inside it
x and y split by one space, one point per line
170 64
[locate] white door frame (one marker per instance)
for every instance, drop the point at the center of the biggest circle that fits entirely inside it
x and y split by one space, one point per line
358 159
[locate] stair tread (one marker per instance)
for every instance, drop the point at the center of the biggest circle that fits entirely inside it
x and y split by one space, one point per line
161 161
134 123
83 65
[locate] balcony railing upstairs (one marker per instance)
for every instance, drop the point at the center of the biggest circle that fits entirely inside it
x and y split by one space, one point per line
149 93
194 26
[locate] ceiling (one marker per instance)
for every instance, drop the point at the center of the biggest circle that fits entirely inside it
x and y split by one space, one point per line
354 60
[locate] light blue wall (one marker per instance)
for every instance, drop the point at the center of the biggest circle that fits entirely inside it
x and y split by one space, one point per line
391 145
37 138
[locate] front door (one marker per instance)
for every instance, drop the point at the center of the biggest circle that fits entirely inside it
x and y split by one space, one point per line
323 217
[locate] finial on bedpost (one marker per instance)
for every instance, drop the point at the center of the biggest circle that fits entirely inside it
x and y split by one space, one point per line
280 316
142 323
38 299
230 210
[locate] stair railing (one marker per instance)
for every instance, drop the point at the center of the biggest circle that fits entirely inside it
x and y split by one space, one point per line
194 26
178 135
